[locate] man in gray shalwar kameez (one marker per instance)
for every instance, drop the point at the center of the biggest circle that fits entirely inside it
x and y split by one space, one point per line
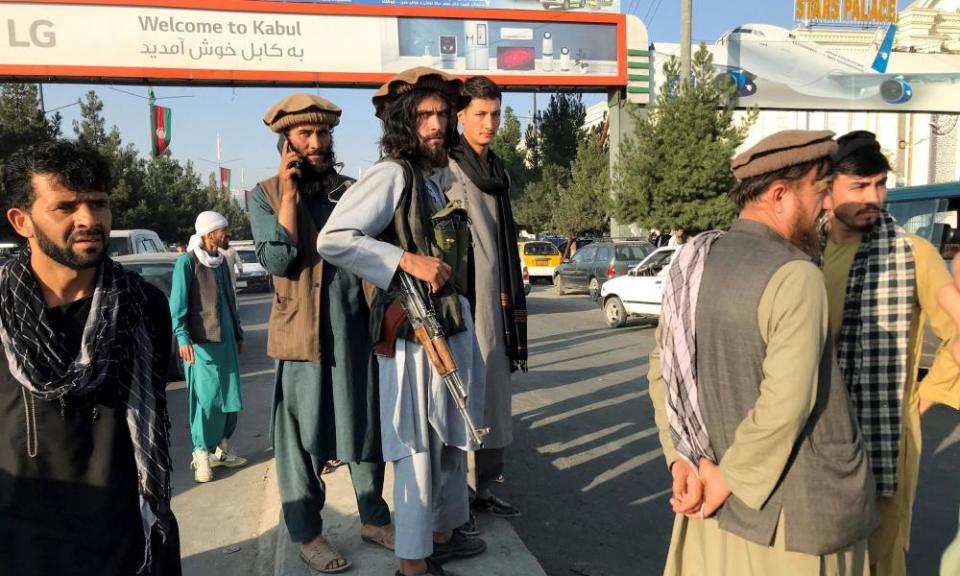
383 225
497 295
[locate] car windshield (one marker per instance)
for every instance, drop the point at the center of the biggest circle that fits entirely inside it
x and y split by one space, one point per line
540 249
632 252
248 256
156 273
119 246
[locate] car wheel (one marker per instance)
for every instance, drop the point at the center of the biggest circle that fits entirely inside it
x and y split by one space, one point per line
558 282
613 312
594 288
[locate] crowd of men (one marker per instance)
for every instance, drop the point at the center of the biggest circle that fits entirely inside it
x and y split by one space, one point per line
787 403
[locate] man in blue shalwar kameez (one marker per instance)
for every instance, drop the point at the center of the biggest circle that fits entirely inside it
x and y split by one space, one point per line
205 321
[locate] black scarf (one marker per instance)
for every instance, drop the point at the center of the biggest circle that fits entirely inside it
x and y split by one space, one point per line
117 345
491 177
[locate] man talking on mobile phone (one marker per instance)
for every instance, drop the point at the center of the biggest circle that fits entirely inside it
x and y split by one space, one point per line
325 403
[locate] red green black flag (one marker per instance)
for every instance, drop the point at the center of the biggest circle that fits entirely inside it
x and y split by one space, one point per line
161 119
225 182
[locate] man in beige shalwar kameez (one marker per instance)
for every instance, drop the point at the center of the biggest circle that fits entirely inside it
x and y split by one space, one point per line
784 482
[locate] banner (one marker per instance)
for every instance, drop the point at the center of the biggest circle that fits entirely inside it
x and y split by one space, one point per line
611 6
161 127
317 44
225 182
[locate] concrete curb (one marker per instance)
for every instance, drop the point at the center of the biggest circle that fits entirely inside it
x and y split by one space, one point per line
506 554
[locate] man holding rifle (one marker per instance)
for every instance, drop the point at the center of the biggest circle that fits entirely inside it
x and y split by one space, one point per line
396 229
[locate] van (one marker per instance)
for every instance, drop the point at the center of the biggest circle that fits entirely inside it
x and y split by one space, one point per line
138 241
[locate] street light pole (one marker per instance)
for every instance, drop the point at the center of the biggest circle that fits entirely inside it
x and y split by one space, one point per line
686 31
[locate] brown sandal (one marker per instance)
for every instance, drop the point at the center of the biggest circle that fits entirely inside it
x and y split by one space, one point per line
379 535
320 555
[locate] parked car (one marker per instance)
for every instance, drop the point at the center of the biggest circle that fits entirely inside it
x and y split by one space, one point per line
157 269
139 241
541 258
598 262
640 291
251 275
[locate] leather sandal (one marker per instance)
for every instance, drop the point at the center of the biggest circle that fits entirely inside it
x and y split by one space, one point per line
320 555
379 535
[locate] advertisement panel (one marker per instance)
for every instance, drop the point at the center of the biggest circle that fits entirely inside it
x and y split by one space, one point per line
774 69
253 42
608 6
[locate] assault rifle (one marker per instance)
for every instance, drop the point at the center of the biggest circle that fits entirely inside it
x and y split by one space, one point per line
429 332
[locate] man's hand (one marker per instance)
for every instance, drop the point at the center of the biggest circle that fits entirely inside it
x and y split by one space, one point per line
432 270
186 353
687 490
715 490
289 172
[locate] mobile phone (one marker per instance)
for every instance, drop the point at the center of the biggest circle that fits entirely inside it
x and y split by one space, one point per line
280 142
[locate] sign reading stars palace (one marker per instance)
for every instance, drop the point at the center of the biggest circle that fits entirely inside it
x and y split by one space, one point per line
847 11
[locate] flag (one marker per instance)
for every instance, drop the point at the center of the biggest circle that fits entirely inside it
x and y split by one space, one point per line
246 199
225 182
161 120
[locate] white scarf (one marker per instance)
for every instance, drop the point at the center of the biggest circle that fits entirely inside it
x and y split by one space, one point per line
196 246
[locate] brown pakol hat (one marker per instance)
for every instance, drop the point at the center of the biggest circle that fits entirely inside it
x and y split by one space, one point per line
782 150
301 109
419 77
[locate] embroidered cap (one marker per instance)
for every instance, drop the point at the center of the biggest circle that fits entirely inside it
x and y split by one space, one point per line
419 77
782 150
301 109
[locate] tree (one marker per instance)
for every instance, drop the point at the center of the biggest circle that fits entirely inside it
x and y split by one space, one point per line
675 170
507 147
22 124
91 128
583 204
533 209
561 129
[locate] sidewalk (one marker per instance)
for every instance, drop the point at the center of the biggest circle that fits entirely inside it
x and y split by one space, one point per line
506 554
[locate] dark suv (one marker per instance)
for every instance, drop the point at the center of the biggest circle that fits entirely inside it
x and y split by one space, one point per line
598 262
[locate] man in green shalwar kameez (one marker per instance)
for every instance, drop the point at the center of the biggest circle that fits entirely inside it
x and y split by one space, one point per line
205 321
326 401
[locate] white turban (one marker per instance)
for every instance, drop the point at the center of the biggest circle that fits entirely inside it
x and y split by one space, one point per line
209 221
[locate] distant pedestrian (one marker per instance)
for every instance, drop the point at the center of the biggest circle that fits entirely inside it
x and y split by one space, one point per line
496 295
882 284
84 429
207 326
325 405
678 238
755 421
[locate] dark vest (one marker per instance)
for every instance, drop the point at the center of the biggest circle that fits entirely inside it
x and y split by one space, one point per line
826 492
204 309
412 230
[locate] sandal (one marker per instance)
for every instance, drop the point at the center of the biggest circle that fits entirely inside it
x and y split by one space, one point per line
320 555
433 569
379 535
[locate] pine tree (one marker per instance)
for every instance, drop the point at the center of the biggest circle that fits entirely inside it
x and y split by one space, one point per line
675 170
583 205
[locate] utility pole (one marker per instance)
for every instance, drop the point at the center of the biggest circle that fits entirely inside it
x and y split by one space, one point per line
686 31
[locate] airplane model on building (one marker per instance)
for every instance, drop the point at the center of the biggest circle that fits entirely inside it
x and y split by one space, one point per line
772 53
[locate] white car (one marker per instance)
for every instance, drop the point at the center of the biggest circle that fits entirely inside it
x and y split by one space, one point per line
250 274
640 292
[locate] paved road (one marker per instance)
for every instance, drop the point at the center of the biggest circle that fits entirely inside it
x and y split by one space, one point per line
586 466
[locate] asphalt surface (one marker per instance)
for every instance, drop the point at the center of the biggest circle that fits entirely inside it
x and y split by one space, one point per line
585 467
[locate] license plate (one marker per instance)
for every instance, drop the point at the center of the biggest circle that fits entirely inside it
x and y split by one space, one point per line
241 283
541 261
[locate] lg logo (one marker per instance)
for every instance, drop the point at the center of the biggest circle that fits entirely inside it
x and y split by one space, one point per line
40 34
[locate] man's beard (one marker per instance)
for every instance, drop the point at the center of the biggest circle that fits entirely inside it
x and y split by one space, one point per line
806 238
852 224
437 157
327 159
67 256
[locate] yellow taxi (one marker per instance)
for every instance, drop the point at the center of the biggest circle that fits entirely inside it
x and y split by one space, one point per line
541 258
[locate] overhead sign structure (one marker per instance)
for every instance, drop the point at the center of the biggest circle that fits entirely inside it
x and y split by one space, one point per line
608 6
774 69
847 11
250 42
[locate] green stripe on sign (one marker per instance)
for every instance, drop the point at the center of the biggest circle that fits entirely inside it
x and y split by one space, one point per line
638 52
639 65
638 90
637 78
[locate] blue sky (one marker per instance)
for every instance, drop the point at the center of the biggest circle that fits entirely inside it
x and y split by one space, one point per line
249 147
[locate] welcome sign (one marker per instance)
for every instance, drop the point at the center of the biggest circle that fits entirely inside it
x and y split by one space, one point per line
847 11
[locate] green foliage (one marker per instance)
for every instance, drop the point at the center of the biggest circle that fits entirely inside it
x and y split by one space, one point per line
560 129
583 205
507 147
533 210
675 170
